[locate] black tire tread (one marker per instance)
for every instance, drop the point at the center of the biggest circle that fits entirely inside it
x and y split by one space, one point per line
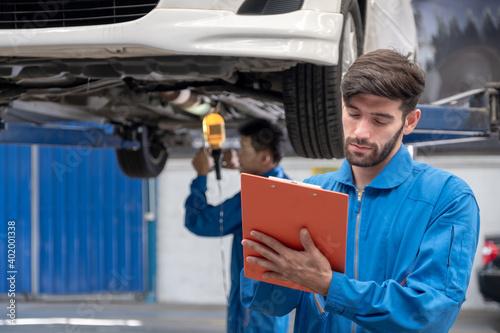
313 104
139 163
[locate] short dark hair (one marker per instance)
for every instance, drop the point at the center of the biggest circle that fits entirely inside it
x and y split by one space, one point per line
386 73
265 134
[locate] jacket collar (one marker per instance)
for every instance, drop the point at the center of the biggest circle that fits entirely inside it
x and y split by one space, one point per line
276 172
393 175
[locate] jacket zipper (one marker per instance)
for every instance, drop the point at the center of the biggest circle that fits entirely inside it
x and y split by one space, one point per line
360 196
408 271
321 310
451 243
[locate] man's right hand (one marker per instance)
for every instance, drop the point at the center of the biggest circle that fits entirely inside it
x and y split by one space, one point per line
203 162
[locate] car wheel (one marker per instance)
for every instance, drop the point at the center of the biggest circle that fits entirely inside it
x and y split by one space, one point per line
146 162
312 98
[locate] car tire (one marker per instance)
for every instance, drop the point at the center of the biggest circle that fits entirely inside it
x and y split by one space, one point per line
312 97
146 162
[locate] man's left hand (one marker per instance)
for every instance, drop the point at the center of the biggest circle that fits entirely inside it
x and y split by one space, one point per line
309 268
230 160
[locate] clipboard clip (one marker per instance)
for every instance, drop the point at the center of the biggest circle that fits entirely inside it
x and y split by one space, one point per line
291 181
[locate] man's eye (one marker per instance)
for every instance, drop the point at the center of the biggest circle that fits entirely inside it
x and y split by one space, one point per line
353 115
378 122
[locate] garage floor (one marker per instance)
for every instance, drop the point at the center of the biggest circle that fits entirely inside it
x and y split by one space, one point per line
95 316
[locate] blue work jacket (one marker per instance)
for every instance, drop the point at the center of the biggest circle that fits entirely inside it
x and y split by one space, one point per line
203 219
411 239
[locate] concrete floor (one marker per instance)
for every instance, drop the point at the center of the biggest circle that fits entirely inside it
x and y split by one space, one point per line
95 316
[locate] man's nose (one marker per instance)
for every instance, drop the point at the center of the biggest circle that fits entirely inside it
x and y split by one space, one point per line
363 129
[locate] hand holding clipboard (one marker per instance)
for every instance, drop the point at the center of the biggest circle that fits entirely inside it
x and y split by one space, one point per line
281 208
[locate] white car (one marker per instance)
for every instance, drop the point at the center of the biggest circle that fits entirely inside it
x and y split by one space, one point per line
154 68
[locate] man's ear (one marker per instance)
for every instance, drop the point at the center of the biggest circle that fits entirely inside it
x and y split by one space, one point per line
411 121
266 158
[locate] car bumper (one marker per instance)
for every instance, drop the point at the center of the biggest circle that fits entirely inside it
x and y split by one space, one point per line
489 283
305 35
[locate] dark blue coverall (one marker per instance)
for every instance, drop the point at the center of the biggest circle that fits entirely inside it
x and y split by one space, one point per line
203 219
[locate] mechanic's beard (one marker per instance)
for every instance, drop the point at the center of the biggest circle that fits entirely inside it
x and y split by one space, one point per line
375 158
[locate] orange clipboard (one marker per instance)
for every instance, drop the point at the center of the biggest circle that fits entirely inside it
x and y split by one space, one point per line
281 208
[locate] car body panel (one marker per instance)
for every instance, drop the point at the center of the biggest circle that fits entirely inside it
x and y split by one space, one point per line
390 24
308 36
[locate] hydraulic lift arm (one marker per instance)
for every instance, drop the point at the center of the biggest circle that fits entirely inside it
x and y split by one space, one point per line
470 116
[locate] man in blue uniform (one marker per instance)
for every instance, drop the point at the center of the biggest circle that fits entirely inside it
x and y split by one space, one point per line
262 148
412 229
